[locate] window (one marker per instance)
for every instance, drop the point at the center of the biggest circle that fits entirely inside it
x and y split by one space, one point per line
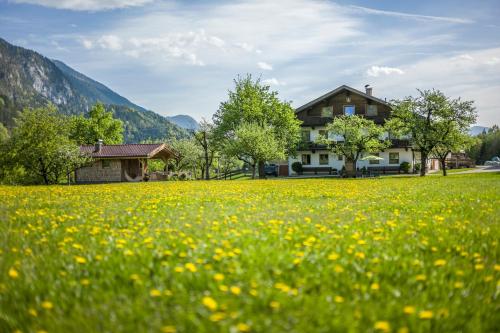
349 110
306 159
106 164
371 110
340 157
306 136
323 159
393 158
375 161
327 112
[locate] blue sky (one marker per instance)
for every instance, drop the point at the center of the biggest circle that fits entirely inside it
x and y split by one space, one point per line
180 57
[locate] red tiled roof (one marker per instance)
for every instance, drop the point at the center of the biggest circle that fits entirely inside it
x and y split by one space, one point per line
125 150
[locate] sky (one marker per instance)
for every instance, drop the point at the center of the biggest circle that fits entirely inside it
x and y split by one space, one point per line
181 57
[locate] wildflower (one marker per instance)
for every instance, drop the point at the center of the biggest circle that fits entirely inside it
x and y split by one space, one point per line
155 293
458 285
47 305
218 277
421 277
439 262
190 267
13 273
426 314
409 310
218 316
275 305
85 282
360 255
210 303
33 312
479 267
333 256
375 286
242 327
168 329
338 299
235 290
496 268
383 326
179 269
80 260
338 269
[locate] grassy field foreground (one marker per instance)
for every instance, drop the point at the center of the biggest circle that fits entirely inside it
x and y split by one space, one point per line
315 255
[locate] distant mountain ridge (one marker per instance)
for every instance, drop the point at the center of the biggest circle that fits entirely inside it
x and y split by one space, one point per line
184 121
28 79
476 130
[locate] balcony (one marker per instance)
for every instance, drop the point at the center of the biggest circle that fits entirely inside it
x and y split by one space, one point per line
311 145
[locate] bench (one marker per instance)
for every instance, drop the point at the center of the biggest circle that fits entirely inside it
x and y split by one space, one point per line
317 169
385 169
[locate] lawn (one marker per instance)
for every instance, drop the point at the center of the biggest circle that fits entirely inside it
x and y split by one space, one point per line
311 255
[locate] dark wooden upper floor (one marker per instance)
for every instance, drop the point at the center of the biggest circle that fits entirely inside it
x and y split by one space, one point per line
343 100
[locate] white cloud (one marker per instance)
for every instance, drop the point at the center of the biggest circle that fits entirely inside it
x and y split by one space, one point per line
88 44
472 80
412 16
274 82
110 42
375 71
492 61
264 66
466 57
86 5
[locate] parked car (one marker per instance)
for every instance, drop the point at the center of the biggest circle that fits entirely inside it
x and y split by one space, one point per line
271 170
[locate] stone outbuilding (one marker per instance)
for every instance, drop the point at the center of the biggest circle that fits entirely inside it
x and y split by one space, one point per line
120 163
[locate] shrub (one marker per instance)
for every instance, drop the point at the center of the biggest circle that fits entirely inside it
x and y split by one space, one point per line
417 167
297 167
405 167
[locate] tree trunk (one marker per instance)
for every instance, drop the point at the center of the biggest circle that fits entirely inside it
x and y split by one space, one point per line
443 165
350 167
253 171
207 166
262 171
423 163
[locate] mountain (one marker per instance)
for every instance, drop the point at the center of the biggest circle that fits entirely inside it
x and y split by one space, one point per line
476 130
28 79
184 121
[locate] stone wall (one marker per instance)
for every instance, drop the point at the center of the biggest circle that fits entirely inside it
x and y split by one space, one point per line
98 172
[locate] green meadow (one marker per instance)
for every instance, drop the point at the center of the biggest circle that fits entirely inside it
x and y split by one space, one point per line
312 255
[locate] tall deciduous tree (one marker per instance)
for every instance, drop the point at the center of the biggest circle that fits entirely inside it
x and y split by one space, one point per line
187 154
357 135
206 139
253 143
429 119
99 124
455 141
253 102
40 144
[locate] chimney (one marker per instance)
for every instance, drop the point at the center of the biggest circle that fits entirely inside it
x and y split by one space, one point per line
98 146
368 89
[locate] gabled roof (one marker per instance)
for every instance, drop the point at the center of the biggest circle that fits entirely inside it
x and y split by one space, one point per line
126 150
336 91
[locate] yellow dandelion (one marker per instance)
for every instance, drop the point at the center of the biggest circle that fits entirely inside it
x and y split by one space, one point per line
218 316
409 309
80 260
235 290
13 273
85 282
210 303
426 314
333 256
242 327
479 267
155 293
179 269
275 305
496 268
168 329
338 299
33 312
439 262
375 286
421 277
47 305
219 277
458 285
190 267
383 326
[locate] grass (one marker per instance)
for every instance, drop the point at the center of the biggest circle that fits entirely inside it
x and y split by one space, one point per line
458 170
311 255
